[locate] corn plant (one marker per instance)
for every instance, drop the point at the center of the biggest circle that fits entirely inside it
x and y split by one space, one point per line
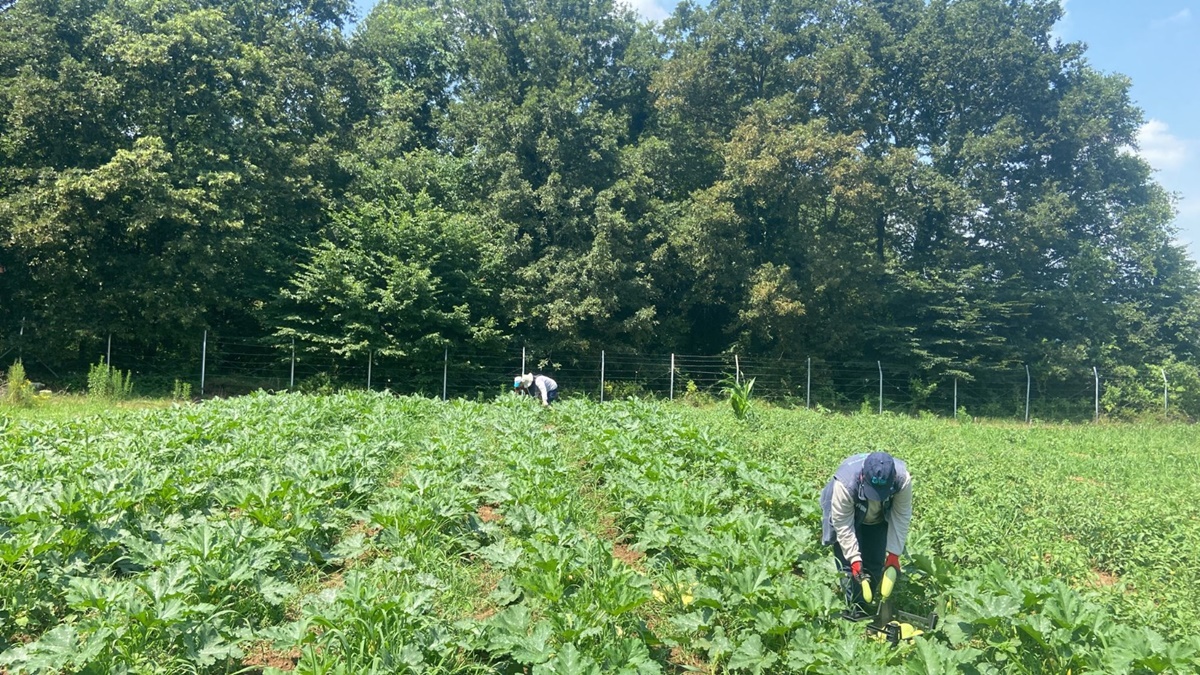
739 392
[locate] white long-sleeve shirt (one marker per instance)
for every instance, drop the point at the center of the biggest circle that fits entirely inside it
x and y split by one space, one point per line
898 519
544 385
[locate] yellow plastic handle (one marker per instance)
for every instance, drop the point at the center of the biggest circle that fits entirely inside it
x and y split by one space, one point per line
888 583
866 586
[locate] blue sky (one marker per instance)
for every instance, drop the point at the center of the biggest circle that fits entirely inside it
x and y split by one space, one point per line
1157 44
1154 42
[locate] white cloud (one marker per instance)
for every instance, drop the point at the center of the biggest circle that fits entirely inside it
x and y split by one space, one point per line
1182 16
1162 149
649 9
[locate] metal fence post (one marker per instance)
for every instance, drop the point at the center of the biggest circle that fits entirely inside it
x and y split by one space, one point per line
880 364
1027 389
203 360
602 376
108 358
370 358
808 386
1096 374
292 377
1164 374
956 397
672 396
737 371
522 360
445 371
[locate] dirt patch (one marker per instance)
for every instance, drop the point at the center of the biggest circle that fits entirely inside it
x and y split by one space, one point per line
489 514
262 655
607 527
487 580
685 661
364 528
335 580
627 555
1104 579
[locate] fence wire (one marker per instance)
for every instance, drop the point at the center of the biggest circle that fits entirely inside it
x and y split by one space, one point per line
227 365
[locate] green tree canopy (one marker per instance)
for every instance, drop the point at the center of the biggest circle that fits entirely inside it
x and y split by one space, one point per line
942 184
163 163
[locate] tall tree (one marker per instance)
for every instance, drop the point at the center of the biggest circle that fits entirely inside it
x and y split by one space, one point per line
398 276
552 93
934 182
163 163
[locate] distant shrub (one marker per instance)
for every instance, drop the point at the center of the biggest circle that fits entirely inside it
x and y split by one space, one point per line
625 389
920 391
321 383
694 396
1130 392
18 389
104 381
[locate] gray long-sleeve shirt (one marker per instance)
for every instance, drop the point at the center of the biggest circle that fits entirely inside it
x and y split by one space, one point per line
898 518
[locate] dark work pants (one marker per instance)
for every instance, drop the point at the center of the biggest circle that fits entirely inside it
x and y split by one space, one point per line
551 396
872 546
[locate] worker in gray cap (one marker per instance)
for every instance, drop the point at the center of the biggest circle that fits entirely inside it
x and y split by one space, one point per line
866 509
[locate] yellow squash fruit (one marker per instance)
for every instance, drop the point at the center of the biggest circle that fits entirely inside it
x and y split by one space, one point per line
866 585
888 583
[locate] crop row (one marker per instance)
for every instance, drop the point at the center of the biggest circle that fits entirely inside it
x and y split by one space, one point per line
363 533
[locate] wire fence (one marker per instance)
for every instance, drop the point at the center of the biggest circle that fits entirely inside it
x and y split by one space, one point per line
213 365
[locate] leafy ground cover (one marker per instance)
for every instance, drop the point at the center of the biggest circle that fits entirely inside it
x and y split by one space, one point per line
364 533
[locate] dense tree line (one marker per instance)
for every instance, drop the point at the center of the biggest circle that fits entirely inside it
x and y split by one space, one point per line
938 183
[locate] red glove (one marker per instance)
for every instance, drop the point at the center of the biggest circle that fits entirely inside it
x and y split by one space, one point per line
856 570
893 560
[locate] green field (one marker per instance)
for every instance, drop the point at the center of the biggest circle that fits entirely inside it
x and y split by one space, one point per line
365 533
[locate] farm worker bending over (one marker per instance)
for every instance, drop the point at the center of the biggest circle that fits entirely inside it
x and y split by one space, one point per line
866 509
537 385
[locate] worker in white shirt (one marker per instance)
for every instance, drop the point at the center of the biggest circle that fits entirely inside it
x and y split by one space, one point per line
540 386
